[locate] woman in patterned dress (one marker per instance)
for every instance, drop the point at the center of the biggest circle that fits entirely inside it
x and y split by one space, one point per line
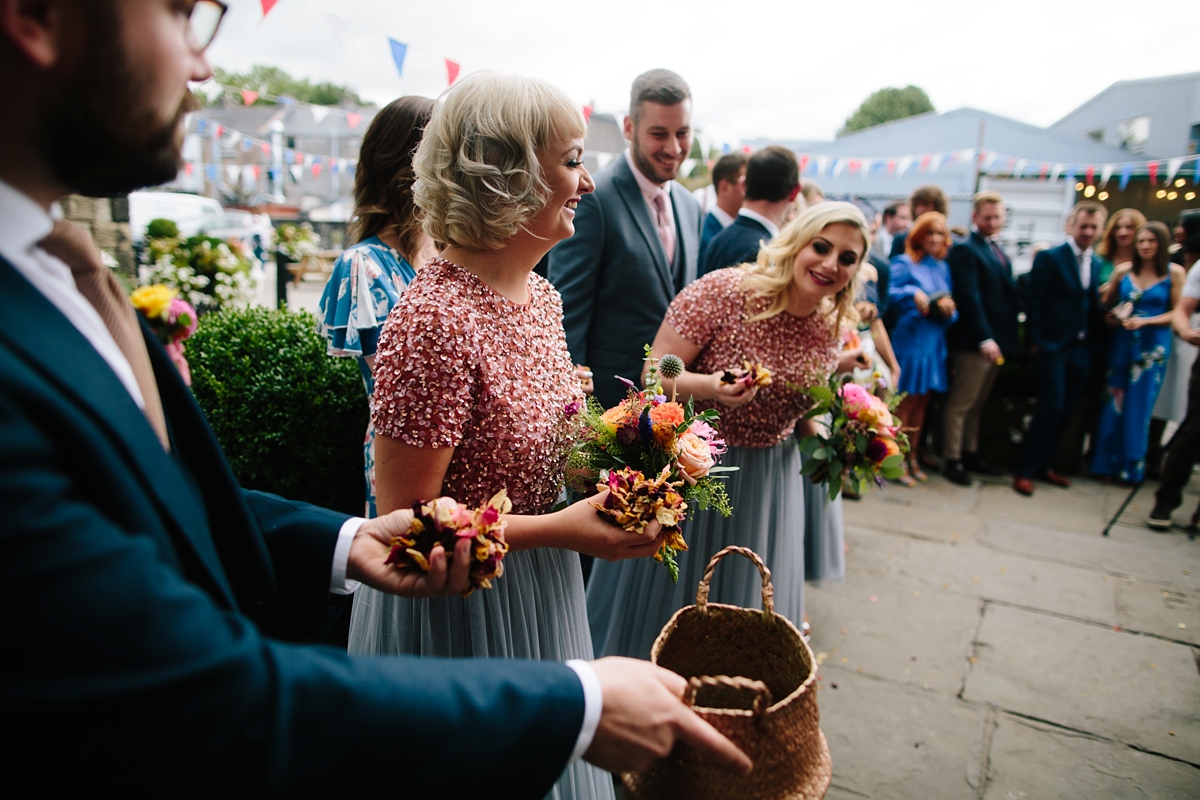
475 390
783 312
369 276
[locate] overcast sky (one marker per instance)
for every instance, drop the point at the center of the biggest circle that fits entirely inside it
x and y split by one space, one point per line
757 68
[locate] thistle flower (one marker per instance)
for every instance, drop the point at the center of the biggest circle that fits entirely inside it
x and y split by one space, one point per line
670 366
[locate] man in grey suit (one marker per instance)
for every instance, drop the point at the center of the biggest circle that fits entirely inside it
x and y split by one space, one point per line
636 242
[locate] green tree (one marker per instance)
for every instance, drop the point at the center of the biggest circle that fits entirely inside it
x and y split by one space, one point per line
886 105
275 82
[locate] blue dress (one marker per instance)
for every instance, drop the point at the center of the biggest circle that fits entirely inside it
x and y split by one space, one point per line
366 282
1136 366
919 341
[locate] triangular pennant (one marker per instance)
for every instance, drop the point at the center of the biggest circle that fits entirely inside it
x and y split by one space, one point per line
188 167
266 148
452 68
399 51
319 113
316 168
248 97
1126 174
1106 172
267 5
822 165
936 161
587 113
1071 174
211 171
1173 166
247 144
903 165
1152 169
1020 167
308 159
925 161
296 171
233 139
289 156
1090 175
233 172
257 170
1058 168
803 162
891 167
353 119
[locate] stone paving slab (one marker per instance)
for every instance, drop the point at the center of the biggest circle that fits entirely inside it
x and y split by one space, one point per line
888 741
1162 610
1140 554
1033 761
1134 689
904 635
1050 507
901 514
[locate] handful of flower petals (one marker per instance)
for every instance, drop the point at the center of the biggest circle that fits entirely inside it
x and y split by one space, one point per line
634 500
752 375
444 521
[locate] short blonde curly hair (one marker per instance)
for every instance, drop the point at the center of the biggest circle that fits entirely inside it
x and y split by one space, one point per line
478 177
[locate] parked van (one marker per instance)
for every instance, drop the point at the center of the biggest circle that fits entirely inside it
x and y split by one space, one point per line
191 212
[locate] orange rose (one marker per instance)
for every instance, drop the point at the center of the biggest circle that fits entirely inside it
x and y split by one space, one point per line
669 413
695 456
615 415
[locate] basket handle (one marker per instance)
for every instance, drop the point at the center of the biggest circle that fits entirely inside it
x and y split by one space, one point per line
762 700
768 591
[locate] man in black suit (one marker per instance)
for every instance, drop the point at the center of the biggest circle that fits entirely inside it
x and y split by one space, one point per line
150 605
986 331
772 184
1062 305
729 187
636 242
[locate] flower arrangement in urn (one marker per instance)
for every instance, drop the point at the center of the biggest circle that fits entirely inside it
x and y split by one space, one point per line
171 318
297 241
863 442
656 457
445 521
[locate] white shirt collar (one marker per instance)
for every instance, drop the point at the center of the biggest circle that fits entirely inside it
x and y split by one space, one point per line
1076 249
721 216
23 224
757 217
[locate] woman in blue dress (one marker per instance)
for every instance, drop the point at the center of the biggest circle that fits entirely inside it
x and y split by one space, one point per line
920 293
1144 292
368 278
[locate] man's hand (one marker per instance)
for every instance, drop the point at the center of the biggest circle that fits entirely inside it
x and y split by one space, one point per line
643 718
990 350
370 549
946 306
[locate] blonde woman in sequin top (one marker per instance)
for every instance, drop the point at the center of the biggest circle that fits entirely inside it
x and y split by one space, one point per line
474 386
783 313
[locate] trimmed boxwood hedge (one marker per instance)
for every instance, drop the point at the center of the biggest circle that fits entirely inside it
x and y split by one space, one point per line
290 418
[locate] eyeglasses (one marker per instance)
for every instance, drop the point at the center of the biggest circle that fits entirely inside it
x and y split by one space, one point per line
203 22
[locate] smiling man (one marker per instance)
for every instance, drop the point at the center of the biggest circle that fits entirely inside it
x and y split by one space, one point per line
636 242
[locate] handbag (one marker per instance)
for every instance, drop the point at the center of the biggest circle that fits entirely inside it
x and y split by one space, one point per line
753 678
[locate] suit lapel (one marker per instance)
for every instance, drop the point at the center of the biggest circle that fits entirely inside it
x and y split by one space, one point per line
688 228
67 360
1070 265
635 203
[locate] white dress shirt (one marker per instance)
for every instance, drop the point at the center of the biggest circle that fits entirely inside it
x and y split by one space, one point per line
1084 259
23 223
721 216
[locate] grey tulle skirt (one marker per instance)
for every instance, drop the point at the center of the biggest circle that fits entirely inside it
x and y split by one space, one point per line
536 610
629 602
825 537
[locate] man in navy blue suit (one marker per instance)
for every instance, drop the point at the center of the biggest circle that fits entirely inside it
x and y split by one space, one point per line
151 606
1061 307
986 331
772 184
729 187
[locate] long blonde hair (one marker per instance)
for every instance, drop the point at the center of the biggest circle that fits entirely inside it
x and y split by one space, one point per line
771 276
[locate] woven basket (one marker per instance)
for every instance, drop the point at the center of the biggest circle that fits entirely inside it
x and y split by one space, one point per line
737 661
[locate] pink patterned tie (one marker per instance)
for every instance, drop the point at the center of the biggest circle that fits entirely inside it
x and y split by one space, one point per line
666 230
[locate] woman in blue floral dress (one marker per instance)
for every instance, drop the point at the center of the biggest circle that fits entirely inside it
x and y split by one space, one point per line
368 278
1144 292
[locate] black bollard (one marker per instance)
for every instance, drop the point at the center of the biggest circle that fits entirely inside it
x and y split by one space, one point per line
282 276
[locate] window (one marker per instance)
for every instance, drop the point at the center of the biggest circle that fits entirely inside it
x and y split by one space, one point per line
1134 133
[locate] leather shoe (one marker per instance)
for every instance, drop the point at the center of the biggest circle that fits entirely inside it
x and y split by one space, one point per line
975 464
1050 476
957 473
1160 517
1023 485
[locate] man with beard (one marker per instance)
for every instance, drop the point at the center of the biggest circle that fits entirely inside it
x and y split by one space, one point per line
636 242
148 600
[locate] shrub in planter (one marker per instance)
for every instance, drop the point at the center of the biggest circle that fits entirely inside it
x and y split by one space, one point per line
290 418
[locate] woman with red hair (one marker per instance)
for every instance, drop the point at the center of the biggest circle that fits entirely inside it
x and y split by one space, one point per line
920 292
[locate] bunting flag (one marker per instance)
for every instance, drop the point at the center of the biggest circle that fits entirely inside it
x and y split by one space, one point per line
822 165
1071 174
1105 173
1090 175
233 172
1126 172
296 171
399 50
353 119
452 68
1058 168
1020 167
925 162
587 115
248 97
316 169
1152 171
289 156
903 165
319 113
1173 166
267 5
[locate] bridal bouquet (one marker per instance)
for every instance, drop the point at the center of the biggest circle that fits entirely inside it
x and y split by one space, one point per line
171 318
863 441
444 521
655 456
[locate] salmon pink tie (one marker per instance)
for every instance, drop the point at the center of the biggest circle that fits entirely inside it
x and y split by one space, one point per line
72 245
666 230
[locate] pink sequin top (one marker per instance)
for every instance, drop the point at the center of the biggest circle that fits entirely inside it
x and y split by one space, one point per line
711 314
459 365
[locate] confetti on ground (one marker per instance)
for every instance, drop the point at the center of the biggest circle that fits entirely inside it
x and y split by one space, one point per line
860 669
1172 733
1153 667
1117 628
972 659
945 586
1182 625
1166 594
975 579
1004 569
844 630
916 594
1085 694
845 660
873 599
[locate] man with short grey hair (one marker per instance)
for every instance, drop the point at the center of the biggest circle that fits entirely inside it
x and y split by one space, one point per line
636 242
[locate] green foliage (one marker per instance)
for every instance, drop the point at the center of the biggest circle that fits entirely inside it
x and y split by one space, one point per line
886 105
289 417
162 229
275 82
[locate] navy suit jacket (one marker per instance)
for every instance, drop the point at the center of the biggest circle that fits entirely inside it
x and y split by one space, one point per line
146 600
735 245
614 278
986 296
1058 308
712 226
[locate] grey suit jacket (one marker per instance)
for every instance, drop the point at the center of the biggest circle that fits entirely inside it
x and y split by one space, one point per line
614 277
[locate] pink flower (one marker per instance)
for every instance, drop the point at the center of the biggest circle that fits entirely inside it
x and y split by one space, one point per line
572 408
182 319
695 457
708 433
855 399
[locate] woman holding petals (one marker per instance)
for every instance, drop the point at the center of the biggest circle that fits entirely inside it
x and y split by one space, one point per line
475 390
782 313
